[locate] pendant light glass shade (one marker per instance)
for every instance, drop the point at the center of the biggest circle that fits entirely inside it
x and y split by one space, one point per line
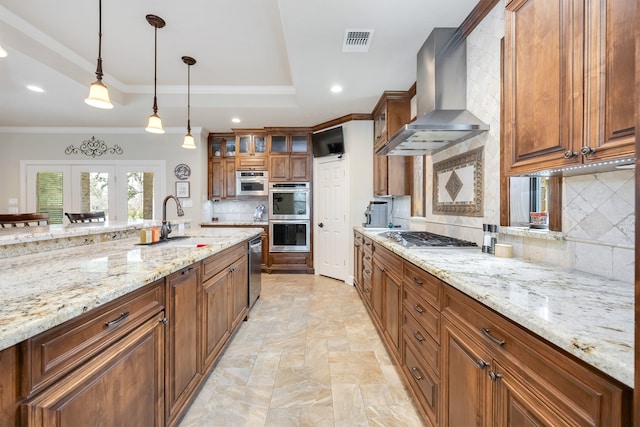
189 142
155 124
3 53
99 96
98 92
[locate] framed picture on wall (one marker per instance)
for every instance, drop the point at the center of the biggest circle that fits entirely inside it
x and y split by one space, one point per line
182 189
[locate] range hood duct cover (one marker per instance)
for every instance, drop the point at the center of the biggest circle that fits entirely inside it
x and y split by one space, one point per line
441 95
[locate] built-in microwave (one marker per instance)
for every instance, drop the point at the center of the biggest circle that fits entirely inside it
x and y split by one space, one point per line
252 183
289 200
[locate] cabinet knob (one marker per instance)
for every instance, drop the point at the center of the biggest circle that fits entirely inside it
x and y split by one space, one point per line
586 150
570 154
482 364
164 320
321 225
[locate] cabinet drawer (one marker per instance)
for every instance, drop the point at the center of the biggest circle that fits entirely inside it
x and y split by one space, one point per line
59 350
215 263
422 381
427 317
423 283
368 245
576 389
422 341
391 262
251 163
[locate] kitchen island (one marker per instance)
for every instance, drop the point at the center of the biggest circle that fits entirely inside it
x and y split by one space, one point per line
497 312
72 315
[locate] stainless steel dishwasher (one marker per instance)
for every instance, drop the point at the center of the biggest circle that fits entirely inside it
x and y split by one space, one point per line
255 269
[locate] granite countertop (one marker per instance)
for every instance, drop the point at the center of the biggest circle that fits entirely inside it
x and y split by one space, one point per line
42 290
589 316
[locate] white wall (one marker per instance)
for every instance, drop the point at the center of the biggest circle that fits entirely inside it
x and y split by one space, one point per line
50 144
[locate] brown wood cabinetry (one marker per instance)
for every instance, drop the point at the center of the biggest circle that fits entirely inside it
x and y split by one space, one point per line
298 262
569 73
224 300
387 294
105 365
517 377
221 183
184 362
467 365
264 236
358 256
391 174
251 152
289 155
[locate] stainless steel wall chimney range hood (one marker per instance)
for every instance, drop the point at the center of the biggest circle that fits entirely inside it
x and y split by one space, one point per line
441 95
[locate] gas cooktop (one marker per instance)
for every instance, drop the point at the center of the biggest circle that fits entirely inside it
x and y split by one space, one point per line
413 239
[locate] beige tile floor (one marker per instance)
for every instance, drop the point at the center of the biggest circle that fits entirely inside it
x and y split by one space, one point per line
309 355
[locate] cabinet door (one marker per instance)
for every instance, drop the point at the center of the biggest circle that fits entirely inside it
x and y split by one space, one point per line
515 406
215 316
380 169
279 167
299 167
357 262
184 355
543 84
466 388
377 282
216 179
122 386
239 272
610 67
229 189
392 311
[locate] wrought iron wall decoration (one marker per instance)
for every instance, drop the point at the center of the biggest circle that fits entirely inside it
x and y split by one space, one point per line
93 147
458 185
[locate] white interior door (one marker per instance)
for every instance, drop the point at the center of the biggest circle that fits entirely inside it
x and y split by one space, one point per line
330 213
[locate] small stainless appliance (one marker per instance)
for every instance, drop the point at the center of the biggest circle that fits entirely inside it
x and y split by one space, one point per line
255 269
289 200
252 183
376 215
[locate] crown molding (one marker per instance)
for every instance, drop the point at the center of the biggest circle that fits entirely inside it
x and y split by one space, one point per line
95 130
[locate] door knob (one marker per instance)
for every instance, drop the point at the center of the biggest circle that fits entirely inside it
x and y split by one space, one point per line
321 225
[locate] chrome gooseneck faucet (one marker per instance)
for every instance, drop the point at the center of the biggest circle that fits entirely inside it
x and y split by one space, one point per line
166 227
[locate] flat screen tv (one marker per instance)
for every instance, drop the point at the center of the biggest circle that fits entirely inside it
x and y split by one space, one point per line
328 142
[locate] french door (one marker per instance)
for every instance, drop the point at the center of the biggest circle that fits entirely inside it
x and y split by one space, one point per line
124 190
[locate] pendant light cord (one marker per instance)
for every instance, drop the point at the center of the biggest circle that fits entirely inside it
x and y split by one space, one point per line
155 71
189 99
99 68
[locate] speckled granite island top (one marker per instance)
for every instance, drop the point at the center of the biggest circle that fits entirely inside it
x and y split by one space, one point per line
45 289
589 316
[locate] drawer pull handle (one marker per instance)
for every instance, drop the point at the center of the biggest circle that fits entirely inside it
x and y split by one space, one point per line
417 281
417 335
418 308
118 320
187 270
482 364
494 376
367 271
487 334
416 374
367 257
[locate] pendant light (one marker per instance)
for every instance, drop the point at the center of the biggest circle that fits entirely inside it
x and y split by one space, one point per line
155 124
189 142
98 92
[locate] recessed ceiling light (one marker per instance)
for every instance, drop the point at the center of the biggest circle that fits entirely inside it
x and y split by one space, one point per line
235 120
336 88
35 88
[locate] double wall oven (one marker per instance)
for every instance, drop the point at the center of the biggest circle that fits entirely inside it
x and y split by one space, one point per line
289 217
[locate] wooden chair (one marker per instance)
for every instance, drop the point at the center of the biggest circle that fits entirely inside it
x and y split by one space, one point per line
24 219
85 217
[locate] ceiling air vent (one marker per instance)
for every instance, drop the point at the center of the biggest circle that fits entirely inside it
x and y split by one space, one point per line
357 40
